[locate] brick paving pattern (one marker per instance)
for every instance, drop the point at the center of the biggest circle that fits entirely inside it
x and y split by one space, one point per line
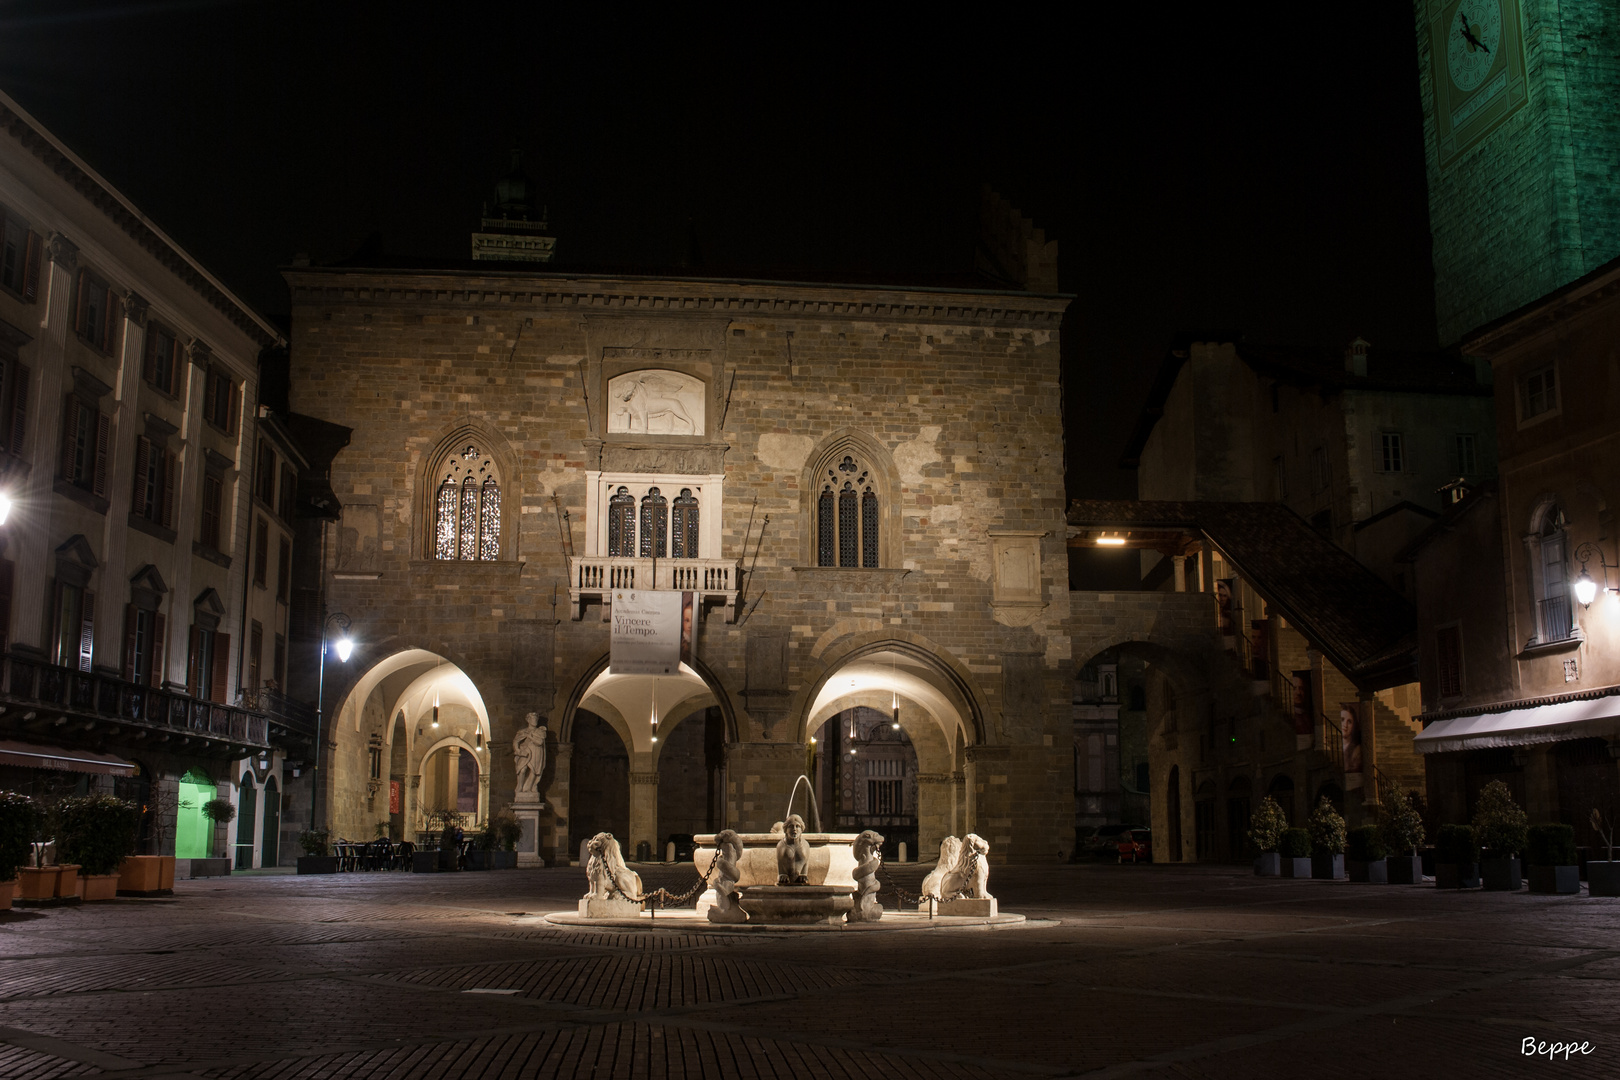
1199 972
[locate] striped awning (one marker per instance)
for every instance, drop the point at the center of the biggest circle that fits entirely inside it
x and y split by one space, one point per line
35 756
1524 726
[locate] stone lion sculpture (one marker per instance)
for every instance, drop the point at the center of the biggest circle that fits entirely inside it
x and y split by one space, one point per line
868 857
606 872
950 853
728 851
971 873
793 853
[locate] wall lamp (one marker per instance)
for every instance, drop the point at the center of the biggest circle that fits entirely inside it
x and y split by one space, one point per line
1110 541
1586 589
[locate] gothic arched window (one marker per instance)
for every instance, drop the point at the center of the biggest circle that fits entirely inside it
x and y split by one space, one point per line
622 523
467 508
847 516
684 527
654 524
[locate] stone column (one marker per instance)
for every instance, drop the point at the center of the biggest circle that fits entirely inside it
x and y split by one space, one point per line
449 793
126 425
411 806
643 810
556 846
989 794
1179 562
35 568
483 795
936 808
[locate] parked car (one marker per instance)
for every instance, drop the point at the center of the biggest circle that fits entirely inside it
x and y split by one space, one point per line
1104 843
1136 845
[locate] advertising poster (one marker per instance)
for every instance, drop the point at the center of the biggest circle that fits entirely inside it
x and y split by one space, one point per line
1350 728
1223 604
1304 718
651 631
393 797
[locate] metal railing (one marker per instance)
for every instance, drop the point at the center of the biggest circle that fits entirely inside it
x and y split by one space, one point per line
297 717
107 697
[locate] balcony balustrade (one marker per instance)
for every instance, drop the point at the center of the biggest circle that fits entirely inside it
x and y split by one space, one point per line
594 577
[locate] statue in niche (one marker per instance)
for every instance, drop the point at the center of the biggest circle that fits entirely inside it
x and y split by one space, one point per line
950 853
792 853
606 874
727 854
868 857
529 754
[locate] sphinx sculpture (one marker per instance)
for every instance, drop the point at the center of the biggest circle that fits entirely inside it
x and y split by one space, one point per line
868 857
609 878
728 852
793 853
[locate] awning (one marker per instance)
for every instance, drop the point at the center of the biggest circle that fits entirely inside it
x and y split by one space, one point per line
1552 722
33 756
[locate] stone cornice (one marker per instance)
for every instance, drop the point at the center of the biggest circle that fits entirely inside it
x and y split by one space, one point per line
123 214
583 294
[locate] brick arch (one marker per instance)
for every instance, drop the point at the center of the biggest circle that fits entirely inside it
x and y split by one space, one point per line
586 674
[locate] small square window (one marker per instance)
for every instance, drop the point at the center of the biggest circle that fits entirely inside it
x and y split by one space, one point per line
1393 457
1538 393
1464 460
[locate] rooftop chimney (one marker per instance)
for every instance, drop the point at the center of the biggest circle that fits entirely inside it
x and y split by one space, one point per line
1355 357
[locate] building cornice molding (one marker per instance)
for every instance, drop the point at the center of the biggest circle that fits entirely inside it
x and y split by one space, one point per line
81 178
587 295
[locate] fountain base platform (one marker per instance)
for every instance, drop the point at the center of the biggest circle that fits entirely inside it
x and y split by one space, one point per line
798 904
685 920
609 909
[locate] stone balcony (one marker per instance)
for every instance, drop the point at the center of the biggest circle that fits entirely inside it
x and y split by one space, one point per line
594 577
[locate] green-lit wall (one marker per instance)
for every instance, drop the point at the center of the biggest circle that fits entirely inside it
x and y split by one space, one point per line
1533 204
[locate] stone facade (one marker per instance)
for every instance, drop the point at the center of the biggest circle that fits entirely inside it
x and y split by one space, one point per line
950 402
1523 202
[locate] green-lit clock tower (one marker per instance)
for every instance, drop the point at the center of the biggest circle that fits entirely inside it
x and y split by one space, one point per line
1521 122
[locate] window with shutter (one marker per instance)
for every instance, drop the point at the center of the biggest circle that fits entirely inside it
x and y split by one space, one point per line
283 568
222 668
212 496
20 251
261 552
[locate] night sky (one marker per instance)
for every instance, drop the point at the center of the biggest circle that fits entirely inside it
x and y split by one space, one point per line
1218 167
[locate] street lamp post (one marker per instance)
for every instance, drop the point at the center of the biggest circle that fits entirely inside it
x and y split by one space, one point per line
344 646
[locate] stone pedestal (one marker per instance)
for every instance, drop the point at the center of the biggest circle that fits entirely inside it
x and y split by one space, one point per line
973 909
609 909
527 807
799 904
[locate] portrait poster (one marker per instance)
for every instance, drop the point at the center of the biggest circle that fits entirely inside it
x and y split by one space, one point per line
1223 604
1304 711
688 626
1350 729
649 631
393 797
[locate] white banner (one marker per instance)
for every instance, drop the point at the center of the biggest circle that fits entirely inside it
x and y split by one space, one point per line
652 632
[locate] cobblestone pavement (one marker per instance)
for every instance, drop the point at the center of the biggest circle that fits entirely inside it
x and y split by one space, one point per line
1122 971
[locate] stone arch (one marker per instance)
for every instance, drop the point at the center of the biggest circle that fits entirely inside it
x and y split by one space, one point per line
867 449
585 677
473 431
952 684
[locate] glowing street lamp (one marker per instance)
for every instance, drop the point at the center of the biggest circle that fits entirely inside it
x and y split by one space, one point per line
345 648
5 507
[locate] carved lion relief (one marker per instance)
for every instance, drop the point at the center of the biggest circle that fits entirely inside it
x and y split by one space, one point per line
655 401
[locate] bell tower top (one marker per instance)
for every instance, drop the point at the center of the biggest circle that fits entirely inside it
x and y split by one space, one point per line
513 227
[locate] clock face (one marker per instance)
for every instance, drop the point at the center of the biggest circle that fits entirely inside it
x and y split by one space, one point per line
1474 40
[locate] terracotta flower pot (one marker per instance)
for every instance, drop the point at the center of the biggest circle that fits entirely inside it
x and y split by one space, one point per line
36 882
67 881
99 887
146 875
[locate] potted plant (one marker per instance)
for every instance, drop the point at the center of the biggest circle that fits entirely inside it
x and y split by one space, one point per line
482 855
1266 827
1364 856
17 818
153 875
1603 876
97 831
510 830
1499 827
1327 841
1553 867
1456 858
317 857
1402 833
221 812
1295 849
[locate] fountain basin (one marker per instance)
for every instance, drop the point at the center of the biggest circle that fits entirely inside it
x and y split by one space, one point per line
832 858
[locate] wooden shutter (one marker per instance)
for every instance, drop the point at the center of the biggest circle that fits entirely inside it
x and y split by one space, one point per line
143 458
109 305
7 569
21 382
167 510
87 629
36 244
103 441
78 302
70 434
230 404
149 359
131 616
222 668
194 678
157 649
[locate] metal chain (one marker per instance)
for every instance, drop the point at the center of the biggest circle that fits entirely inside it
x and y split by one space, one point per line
907 899
661 895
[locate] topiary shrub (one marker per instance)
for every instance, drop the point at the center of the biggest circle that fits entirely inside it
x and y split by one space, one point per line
1294 844
507 827
219 811
1365 845
1456 845
1266 825
1402 825
1327 828
1499 825
1551 845
96 831
18 819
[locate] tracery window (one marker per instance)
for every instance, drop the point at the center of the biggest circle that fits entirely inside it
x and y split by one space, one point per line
654 524
684 526
467 508
847 516
622 523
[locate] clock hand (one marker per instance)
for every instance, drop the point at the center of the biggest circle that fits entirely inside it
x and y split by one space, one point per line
1468 34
